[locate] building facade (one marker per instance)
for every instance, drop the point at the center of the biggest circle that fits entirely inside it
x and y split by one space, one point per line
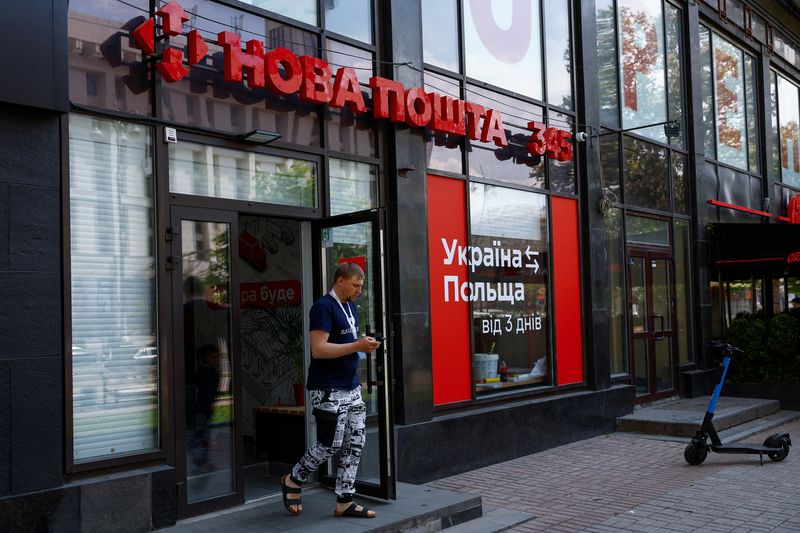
531 187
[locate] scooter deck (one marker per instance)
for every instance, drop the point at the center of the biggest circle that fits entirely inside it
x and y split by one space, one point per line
743 448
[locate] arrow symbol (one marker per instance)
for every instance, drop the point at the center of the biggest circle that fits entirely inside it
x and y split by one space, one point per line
532 253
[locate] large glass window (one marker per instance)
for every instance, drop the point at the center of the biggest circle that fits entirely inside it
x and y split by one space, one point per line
440 33
353 186
644 93
647 181
683 290
729 102
205 170
788 120
558 47
607 61
352 18
615 250
113 289
302 10
512 224
503 45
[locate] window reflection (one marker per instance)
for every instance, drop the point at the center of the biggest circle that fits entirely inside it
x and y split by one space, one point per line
607 62
444 151
729 102
674 74
440 33
513 163
502 44
506 221
647 181
644 98
680 185
352 18
561 173
615 248
353 186
559 53
302 10
789 115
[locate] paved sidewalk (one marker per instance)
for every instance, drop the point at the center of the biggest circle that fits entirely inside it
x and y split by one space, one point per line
624 482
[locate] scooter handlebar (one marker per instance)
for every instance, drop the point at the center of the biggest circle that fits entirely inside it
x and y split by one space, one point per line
727 349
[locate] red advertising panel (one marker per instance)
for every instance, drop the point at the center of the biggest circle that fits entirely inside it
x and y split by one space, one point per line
567 291
447 222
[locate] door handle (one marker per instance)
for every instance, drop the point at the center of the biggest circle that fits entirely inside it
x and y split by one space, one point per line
660 335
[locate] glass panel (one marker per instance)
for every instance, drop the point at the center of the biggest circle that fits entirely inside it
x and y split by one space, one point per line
348 132
203 98
616 283
683 291
739 299
789 116
510 224
607 62
758 289
352 18
706 84
440 33
302 10
561 173
664 380
793 294
779 296
210 435
353 186
661 296
674 69
513 163
271 333
644 95
609 164
735 12
354 243
444 151
105 69
729 103
680 183
752 112
647 181
224 173
775 170
640 363
115 357
639 322
559 53
489 28
644 230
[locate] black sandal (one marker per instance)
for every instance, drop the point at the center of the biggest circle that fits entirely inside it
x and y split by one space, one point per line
287 502
353 510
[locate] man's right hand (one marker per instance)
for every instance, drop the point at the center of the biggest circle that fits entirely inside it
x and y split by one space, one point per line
367 344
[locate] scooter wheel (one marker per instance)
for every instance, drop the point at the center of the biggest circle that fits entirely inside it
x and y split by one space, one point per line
695 453
781 455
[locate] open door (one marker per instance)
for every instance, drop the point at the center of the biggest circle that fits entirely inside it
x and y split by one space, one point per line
359 239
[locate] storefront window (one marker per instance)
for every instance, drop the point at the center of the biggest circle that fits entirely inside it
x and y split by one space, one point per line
561 173
615 253
509 231
647 181
709 133
751 111
302 10
502 45
683 290
609 165
789 118
105 70
113 289
440 33
512 163
729 102
348 132
775 171
353 186
648 231
644 94
352 18
559 53
212 171
607 62
680 184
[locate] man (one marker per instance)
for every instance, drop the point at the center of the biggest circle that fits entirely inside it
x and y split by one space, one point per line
335 393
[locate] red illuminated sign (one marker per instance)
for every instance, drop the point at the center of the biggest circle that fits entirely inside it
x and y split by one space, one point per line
311 78
793 257
793 209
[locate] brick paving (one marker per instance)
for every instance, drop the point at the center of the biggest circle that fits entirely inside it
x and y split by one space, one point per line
622 482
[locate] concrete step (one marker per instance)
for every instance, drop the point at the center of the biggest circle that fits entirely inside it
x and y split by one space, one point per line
683 417
492 521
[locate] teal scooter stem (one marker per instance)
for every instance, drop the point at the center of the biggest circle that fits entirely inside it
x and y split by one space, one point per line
776 446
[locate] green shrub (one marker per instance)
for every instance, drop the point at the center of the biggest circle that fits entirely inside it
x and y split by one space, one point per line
771 349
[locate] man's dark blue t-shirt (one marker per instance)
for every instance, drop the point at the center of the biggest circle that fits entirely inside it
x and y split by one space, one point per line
340 372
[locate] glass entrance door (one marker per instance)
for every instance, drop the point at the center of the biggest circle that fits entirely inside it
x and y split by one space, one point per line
358 239
651 308
207 400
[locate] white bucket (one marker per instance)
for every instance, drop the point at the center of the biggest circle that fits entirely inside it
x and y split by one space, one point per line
485 365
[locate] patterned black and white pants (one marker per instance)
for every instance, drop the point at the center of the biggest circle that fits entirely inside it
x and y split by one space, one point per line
340 417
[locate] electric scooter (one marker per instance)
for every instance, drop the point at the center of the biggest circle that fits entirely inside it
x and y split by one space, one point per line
776 446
